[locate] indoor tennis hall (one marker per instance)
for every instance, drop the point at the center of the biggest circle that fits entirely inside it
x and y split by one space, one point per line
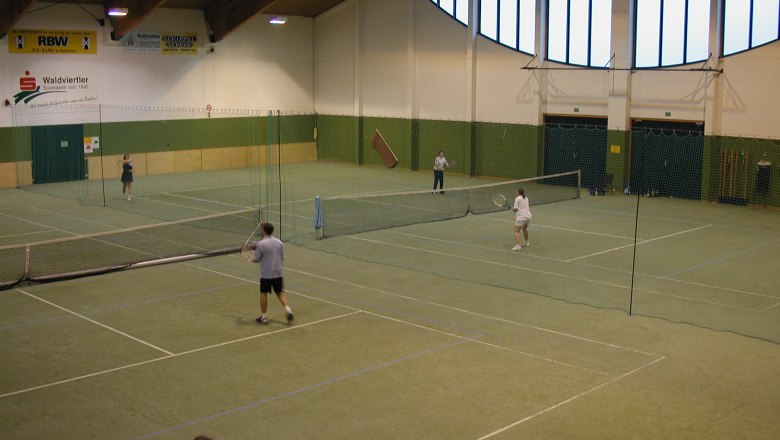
642 304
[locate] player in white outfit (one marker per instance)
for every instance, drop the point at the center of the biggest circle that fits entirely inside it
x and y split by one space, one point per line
522 210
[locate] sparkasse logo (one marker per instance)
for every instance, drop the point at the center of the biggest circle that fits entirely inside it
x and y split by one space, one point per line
30 89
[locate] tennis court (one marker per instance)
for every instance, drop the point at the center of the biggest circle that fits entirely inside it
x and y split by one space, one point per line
431 330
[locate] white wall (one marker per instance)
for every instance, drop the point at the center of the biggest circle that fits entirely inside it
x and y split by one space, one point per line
259 66
430 79
395 58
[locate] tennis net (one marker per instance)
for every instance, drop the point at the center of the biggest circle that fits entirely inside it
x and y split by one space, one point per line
345 215
104 252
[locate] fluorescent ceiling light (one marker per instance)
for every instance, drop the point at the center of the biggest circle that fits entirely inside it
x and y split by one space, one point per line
278 20
117 12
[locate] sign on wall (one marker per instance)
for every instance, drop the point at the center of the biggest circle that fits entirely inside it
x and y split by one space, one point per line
180 43
54 89
51 41
165 43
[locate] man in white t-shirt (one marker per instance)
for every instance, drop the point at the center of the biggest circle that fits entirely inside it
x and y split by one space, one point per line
438 172
522 210
269 252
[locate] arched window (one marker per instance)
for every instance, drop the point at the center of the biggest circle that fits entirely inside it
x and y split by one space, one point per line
457 9
509 22
671 32
749 23
579 32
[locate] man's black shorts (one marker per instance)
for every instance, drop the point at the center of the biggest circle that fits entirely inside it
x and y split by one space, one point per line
266 284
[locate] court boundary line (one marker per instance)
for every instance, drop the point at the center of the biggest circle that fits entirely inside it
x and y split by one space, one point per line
120 332
398 360
332 380
566 229
643 242
471 312
721 258
558 260
172 355
655 217
173 194
570 399
49 228
490 344
559 275
454 335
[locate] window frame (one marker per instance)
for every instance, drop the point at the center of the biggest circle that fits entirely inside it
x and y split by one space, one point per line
660 26
568 39
517 20
750 31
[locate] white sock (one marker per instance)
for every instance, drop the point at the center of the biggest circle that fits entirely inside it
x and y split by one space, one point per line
287 309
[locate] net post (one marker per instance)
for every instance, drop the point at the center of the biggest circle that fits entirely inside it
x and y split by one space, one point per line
27 261
579 182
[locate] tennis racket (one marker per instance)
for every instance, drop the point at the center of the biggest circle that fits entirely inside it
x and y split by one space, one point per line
500 201
248 248
453 163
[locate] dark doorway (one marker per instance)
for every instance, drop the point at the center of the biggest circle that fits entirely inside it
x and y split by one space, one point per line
58 153
576 143
666 158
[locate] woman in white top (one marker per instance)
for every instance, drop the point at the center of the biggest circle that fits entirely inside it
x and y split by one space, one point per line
522 210
438 171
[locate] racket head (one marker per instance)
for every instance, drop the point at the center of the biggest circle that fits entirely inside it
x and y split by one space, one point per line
500 201
453 162
247 253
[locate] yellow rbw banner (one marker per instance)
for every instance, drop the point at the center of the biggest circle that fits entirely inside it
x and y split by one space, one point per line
52 41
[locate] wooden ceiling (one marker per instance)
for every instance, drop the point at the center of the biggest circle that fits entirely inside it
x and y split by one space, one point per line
222 16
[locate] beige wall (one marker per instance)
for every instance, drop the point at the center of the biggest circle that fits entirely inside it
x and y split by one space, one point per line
20 173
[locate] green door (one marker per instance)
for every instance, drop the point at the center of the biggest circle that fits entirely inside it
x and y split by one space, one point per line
572 143
58 153
666 159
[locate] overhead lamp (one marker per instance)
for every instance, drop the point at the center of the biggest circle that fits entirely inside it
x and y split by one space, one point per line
117 12
278 20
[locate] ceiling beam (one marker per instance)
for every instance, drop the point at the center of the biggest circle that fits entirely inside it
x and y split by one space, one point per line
137 11
224 17
10 13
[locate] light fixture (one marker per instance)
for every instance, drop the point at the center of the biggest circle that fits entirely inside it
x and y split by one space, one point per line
117 12
278 20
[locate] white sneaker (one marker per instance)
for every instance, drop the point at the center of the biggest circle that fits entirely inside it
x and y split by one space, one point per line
517 247
129 197
527 243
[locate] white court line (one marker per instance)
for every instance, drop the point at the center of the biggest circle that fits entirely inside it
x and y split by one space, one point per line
570 399
205 188
124 367
771 307
626 272
37 224
633 214
632 244
559 275
512 266
440 331
24 234
179 205
471 246
566 229
95 322
481 315
488 344
232 205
